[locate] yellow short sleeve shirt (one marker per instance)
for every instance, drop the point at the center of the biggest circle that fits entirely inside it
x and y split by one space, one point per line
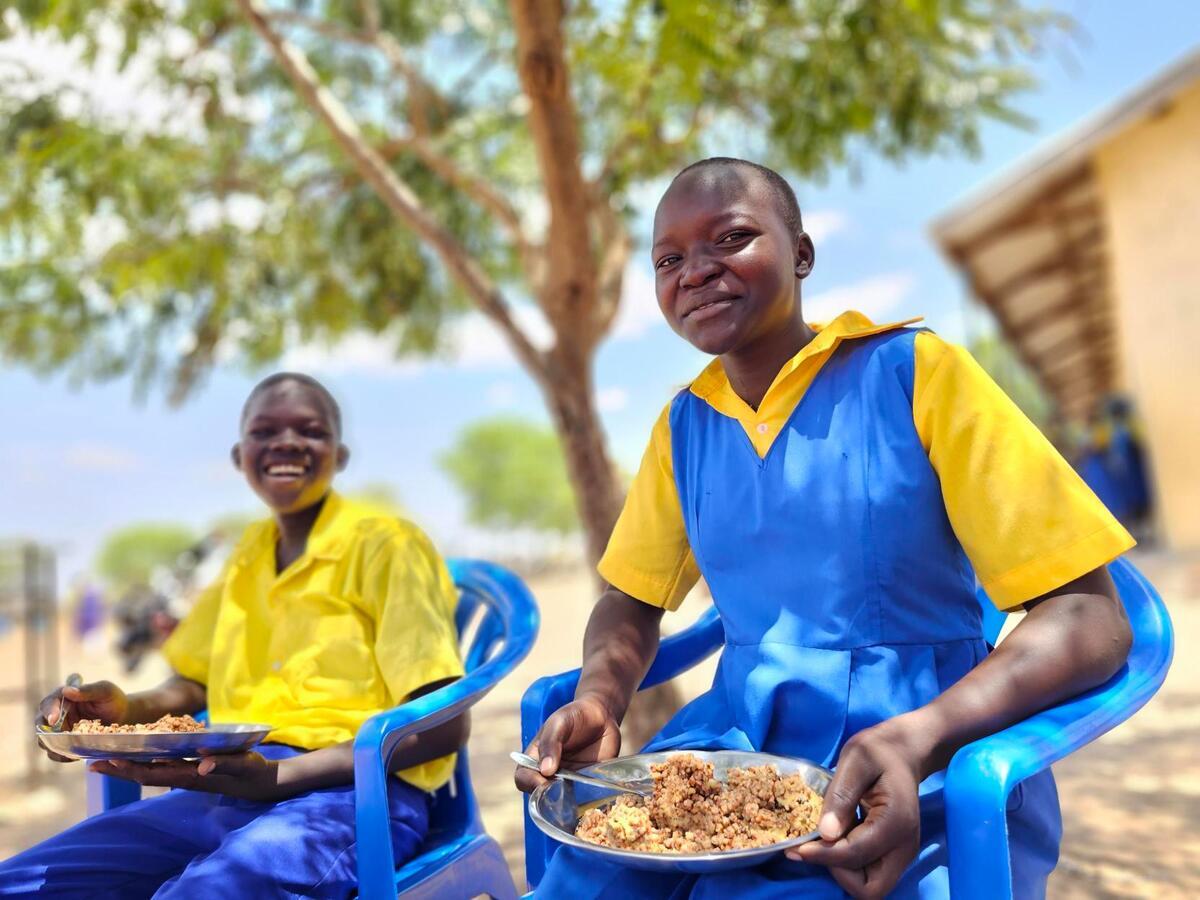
362 620
1026 520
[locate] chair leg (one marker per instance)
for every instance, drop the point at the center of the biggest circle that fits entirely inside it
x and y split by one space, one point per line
105 792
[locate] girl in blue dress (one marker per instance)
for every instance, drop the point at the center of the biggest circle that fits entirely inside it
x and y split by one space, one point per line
840 489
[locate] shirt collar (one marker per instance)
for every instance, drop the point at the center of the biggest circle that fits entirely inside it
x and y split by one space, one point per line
326 540
849 325
330 531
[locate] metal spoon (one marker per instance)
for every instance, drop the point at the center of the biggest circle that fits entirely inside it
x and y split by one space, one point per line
522 759
73 680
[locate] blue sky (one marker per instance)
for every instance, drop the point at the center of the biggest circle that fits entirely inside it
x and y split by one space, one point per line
78 462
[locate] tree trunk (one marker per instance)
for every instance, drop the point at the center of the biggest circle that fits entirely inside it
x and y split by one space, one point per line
570 397
599 495
579 293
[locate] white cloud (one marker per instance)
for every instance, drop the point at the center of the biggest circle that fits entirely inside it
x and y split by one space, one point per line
822 224
611 399
477 344
876 297
473 343
639 310
243 211
501 394
95 456
127 97
100 232
362 353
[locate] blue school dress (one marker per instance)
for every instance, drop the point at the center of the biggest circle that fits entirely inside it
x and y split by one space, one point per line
846 599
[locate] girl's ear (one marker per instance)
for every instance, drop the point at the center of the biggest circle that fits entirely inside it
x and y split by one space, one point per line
235 456
343 457
806 255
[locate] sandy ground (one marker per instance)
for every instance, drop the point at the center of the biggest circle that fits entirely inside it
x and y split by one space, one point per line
1131 801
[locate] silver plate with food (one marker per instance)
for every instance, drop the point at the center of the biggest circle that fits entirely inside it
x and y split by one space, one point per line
557 807
149 745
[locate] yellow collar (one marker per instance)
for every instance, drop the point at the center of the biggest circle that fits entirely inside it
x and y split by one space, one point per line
790 383
326 540
328 536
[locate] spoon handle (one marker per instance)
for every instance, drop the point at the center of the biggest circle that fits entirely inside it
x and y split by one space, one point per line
529 762
73 680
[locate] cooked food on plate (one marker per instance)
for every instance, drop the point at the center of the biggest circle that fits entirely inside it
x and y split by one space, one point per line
167 723
693 812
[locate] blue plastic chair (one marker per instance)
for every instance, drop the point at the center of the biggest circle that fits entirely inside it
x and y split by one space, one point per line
982 774
459 859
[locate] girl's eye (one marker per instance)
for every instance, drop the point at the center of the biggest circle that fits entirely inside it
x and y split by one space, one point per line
315 433
733 237
260 434
665 261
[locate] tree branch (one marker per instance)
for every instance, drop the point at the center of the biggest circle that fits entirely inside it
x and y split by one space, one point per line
569 297
422 95
370 14
478 189
618 245
398 196
320 26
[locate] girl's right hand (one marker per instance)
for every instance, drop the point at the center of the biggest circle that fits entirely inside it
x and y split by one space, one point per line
579 734
101 700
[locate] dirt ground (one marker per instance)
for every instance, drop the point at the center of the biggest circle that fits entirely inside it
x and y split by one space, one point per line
1131 801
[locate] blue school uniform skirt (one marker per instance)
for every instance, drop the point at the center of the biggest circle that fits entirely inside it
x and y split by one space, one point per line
846 600
189 844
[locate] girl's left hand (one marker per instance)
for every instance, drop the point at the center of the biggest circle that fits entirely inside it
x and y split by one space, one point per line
249 776
879 771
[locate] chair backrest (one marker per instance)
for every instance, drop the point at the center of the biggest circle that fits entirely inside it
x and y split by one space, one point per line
484 624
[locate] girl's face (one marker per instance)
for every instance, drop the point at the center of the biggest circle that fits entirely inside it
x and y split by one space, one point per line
289 449
725 262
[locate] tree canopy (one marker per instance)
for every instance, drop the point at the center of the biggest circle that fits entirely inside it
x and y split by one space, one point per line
512 474
332 166
130 554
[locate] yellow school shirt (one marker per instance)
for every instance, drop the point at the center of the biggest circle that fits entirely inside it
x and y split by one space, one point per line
1025 519
351 628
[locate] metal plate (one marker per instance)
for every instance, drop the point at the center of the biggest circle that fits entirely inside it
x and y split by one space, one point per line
556 807
149 745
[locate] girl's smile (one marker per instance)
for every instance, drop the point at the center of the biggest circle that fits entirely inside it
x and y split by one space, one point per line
289 450
710 306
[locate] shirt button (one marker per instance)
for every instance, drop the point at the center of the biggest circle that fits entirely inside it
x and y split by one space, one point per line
763 427
277 665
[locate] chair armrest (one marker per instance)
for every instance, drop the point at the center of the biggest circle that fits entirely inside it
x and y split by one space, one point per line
685 649
379 736
676 654
982 774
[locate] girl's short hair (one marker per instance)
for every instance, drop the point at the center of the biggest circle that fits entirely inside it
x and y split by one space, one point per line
781 191
335 411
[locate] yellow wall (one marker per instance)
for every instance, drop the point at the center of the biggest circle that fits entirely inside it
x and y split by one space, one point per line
1150 179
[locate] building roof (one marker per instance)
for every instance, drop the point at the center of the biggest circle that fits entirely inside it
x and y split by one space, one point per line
1033 247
